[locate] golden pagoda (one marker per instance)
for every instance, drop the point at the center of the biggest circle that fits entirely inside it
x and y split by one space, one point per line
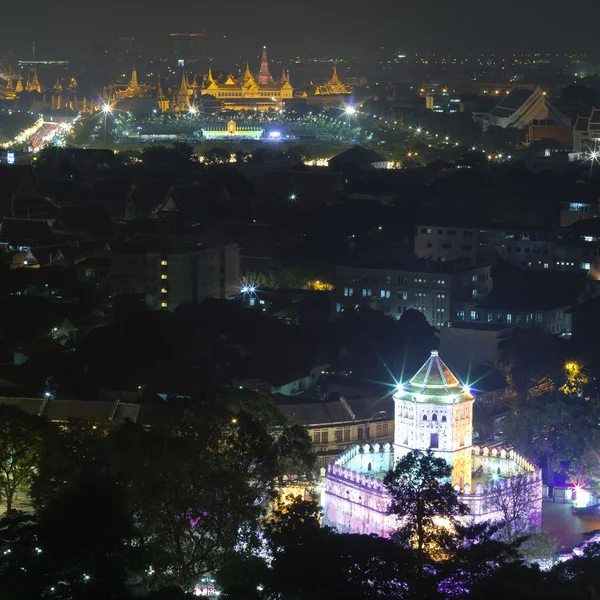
183 97
35 82
57 86
19 86
133 89
333 87
73 83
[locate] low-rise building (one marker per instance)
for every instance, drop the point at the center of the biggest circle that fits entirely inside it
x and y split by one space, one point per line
339 424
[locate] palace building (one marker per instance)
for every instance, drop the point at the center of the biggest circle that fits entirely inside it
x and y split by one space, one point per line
433 411
334 87
250 92
133 89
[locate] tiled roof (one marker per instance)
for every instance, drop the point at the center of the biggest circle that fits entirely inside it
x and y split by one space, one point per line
582 123
84 410
434 377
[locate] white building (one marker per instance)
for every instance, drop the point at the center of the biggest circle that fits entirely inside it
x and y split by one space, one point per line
433 411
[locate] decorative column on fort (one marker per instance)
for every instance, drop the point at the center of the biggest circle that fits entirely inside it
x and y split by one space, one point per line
435 411
264 77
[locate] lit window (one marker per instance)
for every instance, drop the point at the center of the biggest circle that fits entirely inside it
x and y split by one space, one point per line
164 304
164 263
164 276
163 290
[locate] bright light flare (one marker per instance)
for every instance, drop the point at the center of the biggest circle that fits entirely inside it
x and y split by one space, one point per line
106 108
350 110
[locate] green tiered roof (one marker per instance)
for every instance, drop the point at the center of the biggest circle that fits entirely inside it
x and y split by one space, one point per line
434 378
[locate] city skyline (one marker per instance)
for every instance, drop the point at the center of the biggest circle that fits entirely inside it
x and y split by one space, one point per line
319 28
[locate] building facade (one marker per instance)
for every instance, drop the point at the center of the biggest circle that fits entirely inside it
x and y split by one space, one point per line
432 287
171 272
249 92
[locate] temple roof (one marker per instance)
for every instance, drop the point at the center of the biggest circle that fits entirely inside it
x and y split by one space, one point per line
434 373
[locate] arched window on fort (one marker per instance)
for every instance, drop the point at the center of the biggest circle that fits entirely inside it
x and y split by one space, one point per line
443 418
424 417
434 417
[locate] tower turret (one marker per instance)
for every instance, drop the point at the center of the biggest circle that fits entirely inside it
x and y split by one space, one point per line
435 411
264 77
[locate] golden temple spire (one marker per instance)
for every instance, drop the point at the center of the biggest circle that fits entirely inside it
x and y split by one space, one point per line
9 85
57 86
335 80
210 75
134 80
248 78
35 82
183 88
73 84
284 77
19 86
161 99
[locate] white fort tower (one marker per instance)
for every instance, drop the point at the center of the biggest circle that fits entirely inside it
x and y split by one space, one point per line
434 411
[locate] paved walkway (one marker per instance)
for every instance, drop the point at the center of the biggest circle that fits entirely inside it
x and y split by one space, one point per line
568 528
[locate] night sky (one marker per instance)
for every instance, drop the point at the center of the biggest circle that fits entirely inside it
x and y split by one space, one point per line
293 28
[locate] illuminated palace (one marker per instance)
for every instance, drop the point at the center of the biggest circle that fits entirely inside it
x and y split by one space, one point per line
250 92
432 411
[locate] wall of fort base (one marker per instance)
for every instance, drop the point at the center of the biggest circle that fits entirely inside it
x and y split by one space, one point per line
357 502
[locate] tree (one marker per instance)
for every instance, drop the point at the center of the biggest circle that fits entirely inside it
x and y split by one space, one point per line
78 449
342 565
558 431
88 541
518 501
474 553
79 546
216 156
200 480
539 548
21 443
425 503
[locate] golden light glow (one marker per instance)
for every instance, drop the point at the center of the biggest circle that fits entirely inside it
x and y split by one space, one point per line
319 286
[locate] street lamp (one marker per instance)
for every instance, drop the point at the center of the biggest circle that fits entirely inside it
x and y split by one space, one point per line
106 109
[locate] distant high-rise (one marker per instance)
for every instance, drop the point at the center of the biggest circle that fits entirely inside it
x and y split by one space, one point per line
189 47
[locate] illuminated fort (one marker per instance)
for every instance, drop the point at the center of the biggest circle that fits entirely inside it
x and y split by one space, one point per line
432 411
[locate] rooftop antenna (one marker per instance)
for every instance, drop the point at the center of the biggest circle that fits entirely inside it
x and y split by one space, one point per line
33 50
